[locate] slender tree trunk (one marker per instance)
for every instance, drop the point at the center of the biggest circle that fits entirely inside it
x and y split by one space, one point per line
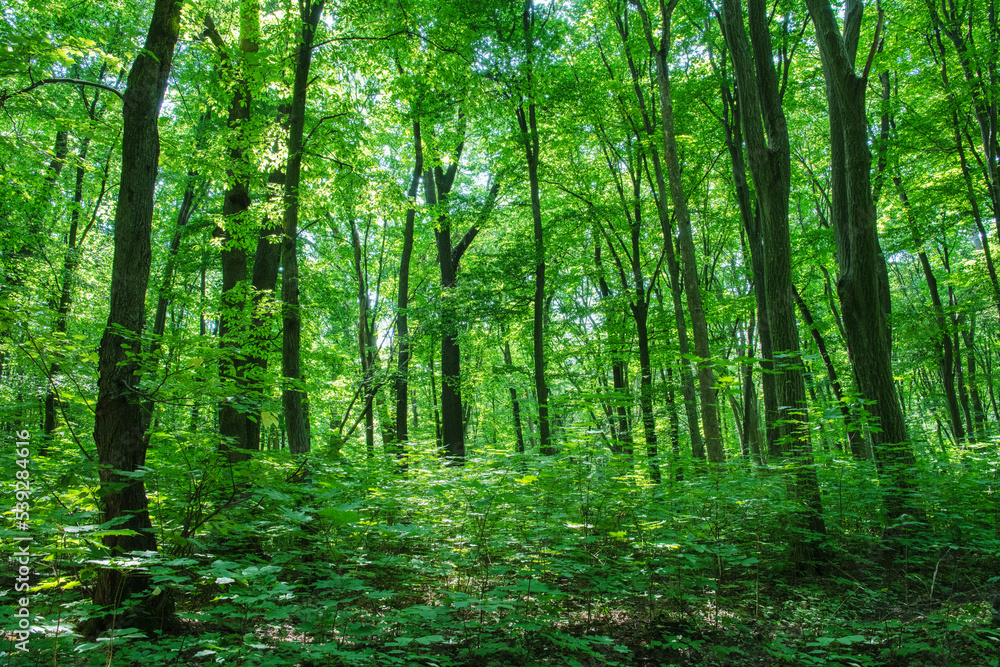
979 412
753 233
119 419
622 431
366 342
529 138
514 402
294 398
403 296
233 323
711 424
855 439
943 344
71 260
264 279
434 401
673 266
751 415
438 184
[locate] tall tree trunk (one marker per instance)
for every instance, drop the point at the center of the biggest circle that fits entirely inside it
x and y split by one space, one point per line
119 418
979 413
71 260
529 139
711 424
366 341
294 398
438 184
264 279
751 415
403 298
622 431
753 234
863 282
943 344
514 402
766 133
666 228
233 318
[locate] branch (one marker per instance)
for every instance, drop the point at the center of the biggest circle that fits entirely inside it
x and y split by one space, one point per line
4 96
875 43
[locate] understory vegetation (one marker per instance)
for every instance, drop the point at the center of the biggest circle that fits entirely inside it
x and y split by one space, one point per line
566 560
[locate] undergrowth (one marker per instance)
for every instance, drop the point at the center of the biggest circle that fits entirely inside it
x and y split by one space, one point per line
566 560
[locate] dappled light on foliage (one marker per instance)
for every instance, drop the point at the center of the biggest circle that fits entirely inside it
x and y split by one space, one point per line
497 334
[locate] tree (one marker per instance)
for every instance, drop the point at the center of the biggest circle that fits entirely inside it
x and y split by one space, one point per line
689 263
863 284
119 425
765 130
293 393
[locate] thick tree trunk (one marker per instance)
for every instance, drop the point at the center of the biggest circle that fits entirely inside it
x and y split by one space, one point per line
766 134
294 398
119 418
863 283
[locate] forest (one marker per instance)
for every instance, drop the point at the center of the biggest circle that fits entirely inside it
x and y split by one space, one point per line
548 332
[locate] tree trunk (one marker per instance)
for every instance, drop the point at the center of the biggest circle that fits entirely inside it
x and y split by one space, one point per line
711 425
766 134
514 402
119 418
621 442
529 138
855 439
366 342
294 398
403 296
863 282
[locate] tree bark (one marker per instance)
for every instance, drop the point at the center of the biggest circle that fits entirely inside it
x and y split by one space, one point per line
119 418
403 298
711 424
294 397
765 131
526 119
863 282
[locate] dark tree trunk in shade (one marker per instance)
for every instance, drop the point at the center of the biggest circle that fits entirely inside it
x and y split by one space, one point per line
294 398
403 299
766 135
119 416
863 281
